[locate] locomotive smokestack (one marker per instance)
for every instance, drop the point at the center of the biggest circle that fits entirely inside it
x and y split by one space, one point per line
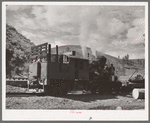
88 55
49 47
73 53
56 53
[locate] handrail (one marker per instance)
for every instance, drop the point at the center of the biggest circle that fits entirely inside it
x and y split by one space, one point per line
38 46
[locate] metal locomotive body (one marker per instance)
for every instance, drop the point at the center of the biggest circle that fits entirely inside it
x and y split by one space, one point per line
100 79
57 74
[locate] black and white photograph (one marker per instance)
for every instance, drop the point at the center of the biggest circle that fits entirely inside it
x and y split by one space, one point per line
75 61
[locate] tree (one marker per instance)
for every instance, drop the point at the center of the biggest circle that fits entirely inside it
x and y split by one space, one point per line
9 66
138 60
17 51
125 59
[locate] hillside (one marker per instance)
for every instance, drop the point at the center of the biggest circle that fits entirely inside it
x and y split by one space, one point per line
121 67
17 49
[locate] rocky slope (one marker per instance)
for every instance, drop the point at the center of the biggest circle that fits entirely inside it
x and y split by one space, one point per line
17 50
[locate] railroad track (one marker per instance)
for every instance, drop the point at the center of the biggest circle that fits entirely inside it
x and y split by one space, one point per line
29 94
23 94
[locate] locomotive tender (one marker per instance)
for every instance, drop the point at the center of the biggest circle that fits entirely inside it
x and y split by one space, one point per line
57 73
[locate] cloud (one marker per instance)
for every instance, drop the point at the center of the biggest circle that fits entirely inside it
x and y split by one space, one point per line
106 28
28 34
59 43
117 27
54 15
136 33
23 21
34 37
16 7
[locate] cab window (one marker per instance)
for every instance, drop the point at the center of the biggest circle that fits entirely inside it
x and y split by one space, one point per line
65 59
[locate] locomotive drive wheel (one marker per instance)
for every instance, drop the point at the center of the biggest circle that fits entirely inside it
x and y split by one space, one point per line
93 91
48 90
64 88
101 89
64 91
58 91
93 87
54 90
116 86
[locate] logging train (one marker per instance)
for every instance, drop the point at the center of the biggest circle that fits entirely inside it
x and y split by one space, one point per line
57 73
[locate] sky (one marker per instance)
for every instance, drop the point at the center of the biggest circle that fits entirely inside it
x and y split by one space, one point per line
113 30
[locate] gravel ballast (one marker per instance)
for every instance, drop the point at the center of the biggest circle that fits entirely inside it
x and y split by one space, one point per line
83 102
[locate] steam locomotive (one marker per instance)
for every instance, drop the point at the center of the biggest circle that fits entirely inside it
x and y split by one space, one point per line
57 74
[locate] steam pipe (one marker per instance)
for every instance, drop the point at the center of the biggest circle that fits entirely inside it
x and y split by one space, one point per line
56 53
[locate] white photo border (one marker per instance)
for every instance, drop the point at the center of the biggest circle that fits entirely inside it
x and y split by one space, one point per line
85 115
